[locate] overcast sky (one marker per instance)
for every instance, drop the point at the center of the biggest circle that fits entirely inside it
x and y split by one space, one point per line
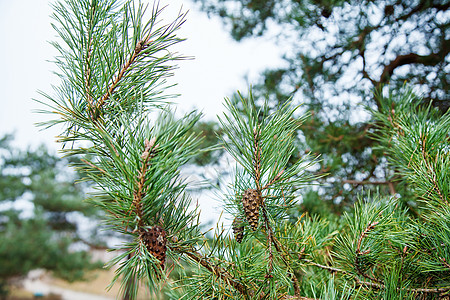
218 69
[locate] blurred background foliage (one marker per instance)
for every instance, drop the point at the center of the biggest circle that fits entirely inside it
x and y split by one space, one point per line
41 209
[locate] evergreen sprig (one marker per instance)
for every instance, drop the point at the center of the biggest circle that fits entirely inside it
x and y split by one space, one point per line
415 137
113 66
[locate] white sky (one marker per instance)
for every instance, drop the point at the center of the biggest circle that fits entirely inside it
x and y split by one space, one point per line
218 69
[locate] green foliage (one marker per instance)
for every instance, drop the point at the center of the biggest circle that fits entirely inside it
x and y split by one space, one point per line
113 68
416 139
38 198
209 132
336 53
133 147
385 247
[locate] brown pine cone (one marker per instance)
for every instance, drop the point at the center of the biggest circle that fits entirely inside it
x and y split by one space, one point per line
238 229
155 240
251 200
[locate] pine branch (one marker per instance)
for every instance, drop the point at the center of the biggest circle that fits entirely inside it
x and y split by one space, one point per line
331 269
141 45
88 70
218 272
413 58
298 298
377 285
415 290
274 180
256 157
282 251
359 253
139 193
431 174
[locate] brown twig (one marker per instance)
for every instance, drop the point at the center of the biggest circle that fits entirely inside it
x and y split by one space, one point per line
218 272
139 193
275 179
431 171
269 239
141 45
417 290
359 252
298 298
87 79
444 262
331 269
373 284
257 158
282 251
94 166
363 234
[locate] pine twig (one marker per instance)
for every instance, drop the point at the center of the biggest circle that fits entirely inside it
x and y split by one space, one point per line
275 179
298 298
431 171
139 193
141 45
416 290
359 253
218 272
257 158
88 70
280 249
373 284
444 262
93 166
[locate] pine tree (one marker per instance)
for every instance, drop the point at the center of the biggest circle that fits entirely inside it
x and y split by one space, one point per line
335 52
37 226
112 101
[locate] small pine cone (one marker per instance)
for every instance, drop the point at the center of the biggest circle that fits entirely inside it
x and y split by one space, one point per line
155 240
251 200
238 229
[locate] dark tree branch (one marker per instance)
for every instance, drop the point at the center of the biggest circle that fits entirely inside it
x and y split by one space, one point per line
413 58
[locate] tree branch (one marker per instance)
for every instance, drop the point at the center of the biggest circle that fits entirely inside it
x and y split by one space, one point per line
219 272
372 284
413 58
141 45
359 252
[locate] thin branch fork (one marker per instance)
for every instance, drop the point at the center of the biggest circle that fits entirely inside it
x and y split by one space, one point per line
359 252
141 45
219 272
280 249
431 170
139 193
